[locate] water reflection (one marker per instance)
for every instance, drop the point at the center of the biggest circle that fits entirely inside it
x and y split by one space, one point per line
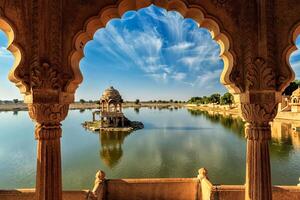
111 147
137 110
285 135
286 132
236 125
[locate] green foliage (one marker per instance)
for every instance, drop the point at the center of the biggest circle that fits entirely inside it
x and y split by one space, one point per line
16 100
82 101
216 98
137 101
291 88
227 99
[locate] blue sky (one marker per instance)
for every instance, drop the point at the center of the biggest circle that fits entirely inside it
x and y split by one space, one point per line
149 54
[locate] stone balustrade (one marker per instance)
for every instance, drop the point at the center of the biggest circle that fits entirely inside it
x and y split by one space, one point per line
199 188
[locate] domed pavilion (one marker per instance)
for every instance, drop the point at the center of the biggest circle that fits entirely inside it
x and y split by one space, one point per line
110 109
112 118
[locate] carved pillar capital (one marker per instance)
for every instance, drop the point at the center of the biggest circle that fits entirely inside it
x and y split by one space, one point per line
258 117
46 113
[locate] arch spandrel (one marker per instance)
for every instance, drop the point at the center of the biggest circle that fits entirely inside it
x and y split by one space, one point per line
193 10
14 27
287 26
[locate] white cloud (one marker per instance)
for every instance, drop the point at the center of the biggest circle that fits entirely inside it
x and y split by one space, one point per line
182 46
159 77
179 76
206 79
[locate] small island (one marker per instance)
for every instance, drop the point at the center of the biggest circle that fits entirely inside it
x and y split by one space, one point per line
112 119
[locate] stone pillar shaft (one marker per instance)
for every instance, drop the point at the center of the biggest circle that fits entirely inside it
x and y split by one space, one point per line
48 178
258 170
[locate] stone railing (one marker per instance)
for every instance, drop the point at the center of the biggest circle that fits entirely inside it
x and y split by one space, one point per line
199 188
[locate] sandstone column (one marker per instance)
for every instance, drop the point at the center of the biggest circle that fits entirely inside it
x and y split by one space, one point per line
48 133
258 134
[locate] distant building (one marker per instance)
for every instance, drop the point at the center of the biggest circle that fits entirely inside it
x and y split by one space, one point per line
295 101
111 109
291 103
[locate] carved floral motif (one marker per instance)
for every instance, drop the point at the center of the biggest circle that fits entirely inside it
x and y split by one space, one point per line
48 113
259 113
46 76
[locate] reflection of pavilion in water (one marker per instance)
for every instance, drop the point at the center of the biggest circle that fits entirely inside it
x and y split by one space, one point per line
111 147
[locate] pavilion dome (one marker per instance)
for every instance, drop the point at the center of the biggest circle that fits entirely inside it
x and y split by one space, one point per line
111 94
296 93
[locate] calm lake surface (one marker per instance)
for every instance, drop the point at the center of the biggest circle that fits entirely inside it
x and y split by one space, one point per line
174 143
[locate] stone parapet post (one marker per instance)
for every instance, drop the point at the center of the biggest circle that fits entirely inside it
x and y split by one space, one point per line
99 190
206 185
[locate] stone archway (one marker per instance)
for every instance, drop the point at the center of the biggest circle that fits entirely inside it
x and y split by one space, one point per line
196 13
290 49
16 51
259 94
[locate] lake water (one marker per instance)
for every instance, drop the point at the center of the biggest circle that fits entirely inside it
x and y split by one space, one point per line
174 143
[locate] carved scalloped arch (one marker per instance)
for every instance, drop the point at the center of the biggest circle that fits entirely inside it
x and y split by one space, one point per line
287 54
112 12
16 51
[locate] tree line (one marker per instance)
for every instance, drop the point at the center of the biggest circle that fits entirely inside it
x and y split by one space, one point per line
216 98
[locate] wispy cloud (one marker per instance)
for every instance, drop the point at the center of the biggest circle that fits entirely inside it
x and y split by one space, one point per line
208 79
182 46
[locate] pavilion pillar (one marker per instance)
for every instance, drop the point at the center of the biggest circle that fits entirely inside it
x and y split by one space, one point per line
258 134
48 133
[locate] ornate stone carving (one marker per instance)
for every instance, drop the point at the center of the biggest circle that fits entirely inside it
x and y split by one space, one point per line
258 113
260 75
46 77
48 113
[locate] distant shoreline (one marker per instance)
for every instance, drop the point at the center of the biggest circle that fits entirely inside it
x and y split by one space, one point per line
80 106
220 109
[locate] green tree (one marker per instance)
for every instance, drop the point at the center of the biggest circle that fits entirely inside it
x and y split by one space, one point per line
16 100
227 99
291 88
82 101
137 101
215 98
